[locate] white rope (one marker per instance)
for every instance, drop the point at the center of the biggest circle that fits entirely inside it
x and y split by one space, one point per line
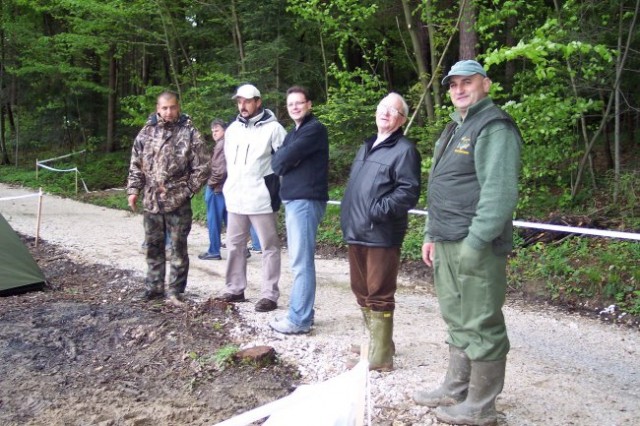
62 156
75 169
17 197
549 227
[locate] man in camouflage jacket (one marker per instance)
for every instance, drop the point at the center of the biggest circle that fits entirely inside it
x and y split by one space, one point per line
169 164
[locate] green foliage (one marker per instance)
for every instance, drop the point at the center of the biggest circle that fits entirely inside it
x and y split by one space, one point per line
350 108
329 231
412 245
579 269
225 356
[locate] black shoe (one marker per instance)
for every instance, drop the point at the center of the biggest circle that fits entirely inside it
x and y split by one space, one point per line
230 297
248 254
149 295
209 256
266 305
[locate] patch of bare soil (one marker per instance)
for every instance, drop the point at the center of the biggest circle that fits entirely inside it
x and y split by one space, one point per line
82 352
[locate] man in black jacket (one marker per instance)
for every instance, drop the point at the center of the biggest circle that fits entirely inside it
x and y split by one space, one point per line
303 164
383 186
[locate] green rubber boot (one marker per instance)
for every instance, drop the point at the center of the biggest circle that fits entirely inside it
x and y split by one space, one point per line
381 347
479 409
456 383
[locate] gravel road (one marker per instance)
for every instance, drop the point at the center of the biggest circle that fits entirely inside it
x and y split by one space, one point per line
562 369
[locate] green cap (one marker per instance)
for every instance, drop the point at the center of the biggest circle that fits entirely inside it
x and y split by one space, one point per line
466 67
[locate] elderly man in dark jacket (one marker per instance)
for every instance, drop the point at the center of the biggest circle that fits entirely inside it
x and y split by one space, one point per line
383 186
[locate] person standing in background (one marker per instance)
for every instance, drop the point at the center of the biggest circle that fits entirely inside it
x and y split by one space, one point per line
169 164
384 184
302 162
471 197
213 197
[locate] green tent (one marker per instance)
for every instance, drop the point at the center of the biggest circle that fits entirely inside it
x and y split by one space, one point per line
19 273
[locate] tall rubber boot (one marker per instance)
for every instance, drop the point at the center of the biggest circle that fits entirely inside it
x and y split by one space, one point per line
479 409
456 382
381 347
366 316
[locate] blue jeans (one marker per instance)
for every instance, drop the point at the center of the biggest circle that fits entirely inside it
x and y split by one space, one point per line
255 241
302 218
216 214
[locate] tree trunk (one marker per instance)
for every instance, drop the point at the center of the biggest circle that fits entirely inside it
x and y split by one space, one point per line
111 102
173 66
431 36
468 35
423 74
237 36
510 68
4 159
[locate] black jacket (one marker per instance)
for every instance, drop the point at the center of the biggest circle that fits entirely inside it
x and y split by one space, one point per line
383 186
303 162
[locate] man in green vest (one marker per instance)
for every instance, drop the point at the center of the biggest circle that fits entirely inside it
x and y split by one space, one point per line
471 197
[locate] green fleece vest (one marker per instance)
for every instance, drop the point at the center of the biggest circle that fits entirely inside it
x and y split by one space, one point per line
454 190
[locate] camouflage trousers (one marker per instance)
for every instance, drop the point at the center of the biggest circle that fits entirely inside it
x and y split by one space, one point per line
178 225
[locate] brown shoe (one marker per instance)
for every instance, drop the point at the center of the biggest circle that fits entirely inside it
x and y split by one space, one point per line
266 305
230 297
175 299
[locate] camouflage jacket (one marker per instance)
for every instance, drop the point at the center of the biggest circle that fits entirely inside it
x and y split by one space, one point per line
169 164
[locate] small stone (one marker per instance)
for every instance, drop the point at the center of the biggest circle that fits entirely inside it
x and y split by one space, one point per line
262 355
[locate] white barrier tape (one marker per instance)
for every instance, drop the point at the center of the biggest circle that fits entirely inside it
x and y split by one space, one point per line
578 230
314 394
548 227
17 197
75 169
62 156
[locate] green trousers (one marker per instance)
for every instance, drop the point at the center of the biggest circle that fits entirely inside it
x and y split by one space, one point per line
471 286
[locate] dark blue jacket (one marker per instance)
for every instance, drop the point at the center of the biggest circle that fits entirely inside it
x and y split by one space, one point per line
383 186
303 162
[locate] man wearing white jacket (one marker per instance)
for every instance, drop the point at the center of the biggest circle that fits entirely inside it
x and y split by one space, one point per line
251 195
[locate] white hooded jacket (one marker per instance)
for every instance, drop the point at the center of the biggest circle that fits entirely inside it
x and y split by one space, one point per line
248 147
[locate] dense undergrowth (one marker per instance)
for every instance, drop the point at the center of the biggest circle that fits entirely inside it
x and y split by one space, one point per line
585 272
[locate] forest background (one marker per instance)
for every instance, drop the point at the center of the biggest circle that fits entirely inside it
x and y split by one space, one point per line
83 75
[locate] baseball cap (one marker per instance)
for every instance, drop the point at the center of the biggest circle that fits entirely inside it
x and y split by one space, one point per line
247 91
466 67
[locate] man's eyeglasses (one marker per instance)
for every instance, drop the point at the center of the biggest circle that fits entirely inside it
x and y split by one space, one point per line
296 104
382 108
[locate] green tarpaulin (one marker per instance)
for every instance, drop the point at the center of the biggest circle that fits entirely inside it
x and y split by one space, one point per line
18 271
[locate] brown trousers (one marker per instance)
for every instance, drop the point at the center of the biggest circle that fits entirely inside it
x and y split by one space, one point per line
374 276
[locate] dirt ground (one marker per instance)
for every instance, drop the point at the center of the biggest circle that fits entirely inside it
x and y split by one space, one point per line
84 353
81 352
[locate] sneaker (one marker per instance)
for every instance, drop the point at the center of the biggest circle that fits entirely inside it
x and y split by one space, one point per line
209 256
256 250
230 297
285 326
266 305
248 253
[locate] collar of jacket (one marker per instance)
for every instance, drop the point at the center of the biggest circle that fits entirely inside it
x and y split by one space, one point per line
391 140
155 120
305 120
473 110
260 117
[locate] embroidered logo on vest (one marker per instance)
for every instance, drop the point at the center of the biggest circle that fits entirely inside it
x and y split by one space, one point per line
463 146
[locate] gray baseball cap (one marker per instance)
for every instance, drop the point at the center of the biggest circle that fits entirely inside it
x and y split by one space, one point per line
466 67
